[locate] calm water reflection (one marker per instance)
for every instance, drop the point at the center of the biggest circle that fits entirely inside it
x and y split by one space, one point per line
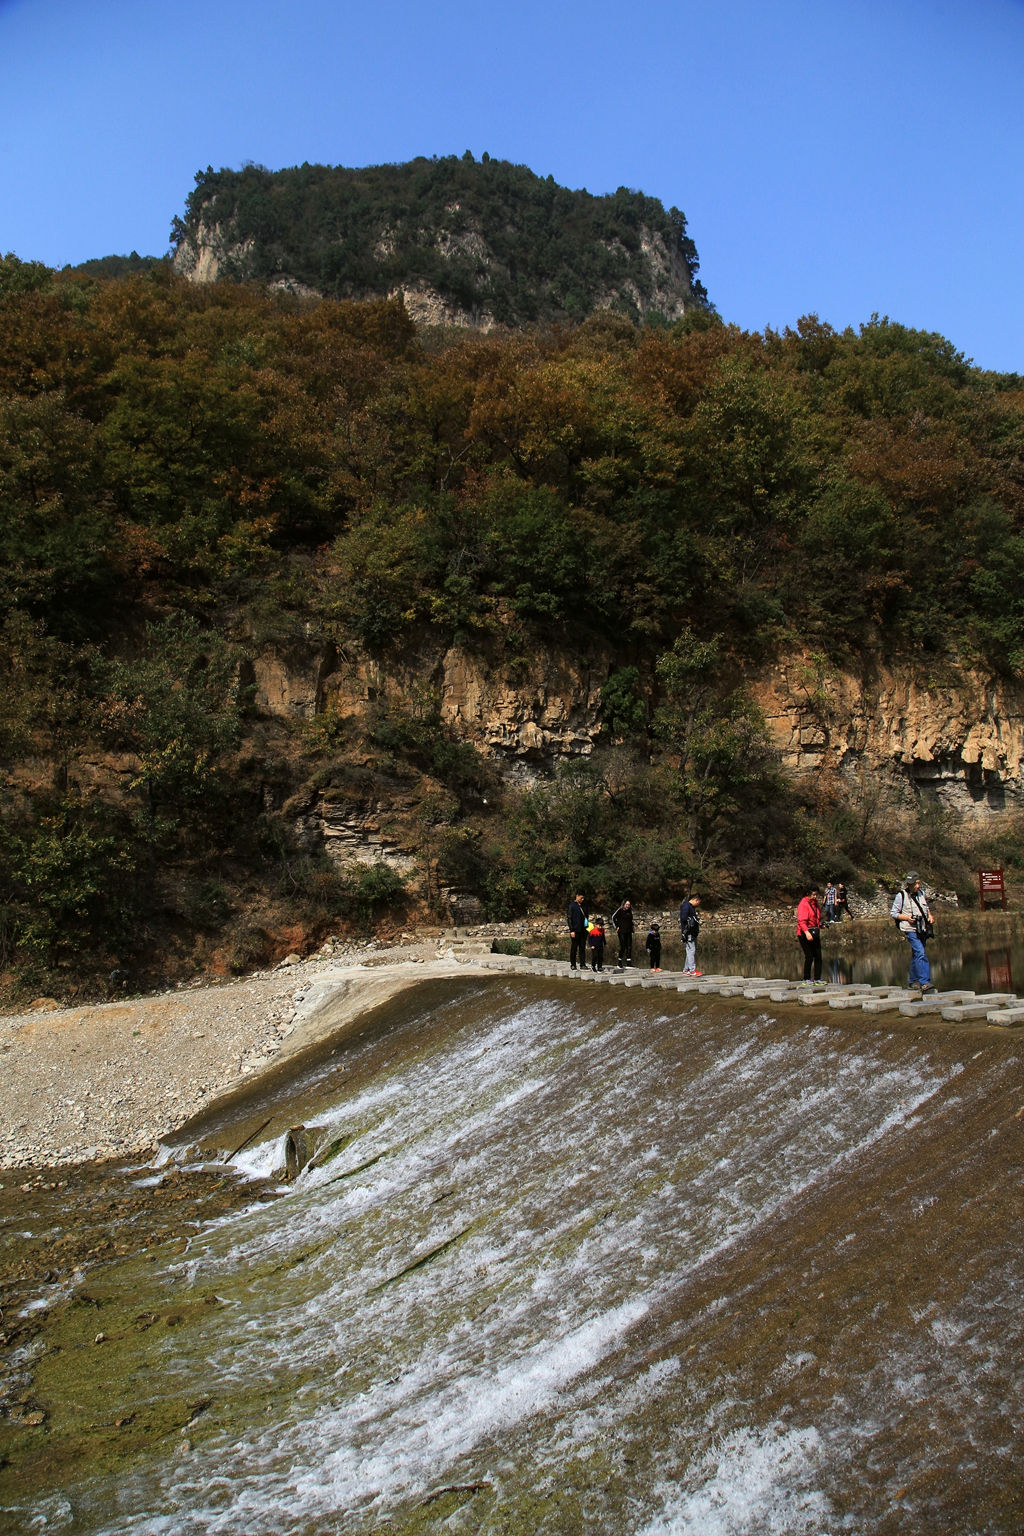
956 962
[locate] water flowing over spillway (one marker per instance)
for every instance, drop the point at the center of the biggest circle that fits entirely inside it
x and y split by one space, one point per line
591 1260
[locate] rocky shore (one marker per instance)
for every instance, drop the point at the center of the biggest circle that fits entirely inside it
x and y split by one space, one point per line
112 1079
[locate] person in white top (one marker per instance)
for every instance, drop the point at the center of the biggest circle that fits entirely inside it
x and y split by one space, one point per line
912 915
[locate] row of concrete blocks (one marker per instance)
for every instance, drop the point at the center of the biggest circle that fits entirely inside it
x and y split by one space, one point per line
1000 1008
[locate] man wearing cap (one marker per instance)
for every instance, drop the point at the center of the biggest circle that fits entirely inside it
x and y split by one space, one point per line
912 916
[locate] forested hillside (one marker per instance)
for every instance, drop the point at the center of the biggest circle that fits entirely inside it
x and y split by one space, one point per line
189 474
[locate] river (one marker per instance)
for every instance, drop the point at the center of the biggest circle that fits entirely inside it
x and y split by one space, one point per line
592 1260
960 960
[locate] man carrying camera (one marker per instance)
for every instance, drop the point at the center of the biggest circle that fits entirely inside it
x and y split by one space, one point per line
912 916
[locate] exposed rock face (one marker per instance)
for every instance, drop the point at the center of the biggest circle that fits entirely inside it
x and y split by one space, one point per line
528 724
671 294
203 256
425 306
291 685
876 739
349 834
210 251
960 741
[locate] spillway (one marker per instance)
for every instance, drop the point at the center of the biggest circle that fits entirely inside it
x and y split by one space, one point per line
577 1260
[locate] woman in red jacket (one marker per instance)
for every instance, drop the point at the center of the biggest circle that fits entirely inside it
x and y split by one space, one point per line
808 931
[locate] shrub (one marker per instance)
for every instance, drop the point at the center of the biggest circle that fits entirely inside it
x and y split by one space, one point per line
248 947
371 888
68 886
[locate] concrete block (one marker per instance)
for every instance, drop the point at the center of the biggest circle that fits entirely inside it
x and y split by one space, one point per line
936 1002
1008 1017
959 1011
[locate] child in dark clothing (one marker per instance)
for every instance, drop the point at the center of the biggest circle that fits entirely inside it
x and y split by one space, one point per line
595 939
653 946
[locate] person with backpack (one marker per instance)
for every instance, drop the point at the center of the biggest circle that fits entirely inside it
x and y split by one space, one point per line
912 915
653 946
689 927
622 922
595 939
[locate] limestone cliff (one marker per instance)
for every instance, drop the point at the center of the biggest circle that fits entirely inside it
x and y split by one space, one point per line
880 738
958 740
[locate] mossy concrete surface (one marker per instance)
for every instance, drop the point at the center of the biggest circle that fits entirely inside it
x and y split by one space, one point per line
611 1262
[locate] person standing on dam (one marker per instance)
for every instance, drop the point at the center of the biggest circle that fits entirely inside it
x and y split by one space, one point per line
595 939
622 922
689 928
577 932
653 946
808 931
912 915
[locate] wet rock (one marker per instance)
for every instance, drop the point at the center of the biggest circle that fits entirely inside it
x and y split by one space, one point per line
300 1147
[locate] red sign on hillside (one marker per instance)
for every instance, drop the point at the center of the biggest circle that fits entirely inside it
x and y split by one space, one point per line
991 887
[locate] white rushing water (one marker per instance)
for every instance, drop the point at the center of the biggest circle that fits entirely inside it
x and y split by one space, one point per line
501 1293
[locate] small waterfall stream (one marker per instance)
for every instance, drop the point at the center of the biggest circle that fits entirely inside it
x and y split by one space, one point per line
577 1260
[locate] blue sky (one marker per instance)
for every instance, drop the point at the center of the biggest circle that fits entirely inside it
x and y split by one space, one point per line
844 157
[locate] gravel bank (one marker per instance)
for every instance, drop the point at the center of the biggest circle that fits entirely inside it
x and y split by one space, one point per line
113 1079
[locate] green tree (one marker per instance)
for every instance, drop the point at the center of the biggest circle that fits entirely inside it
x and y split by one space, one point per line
724 761
176 708
68 888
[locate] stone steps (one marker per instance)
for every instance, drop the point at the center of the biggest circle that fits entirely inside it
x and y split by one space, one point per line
1004 1009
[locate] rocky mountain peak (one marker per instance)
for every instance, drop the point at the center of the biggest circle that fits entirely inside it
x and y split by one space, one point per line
463 242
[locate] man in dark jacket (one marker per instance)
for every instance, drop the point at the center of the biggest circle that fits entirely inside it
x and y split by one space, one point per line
577 932
622 922
689 927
